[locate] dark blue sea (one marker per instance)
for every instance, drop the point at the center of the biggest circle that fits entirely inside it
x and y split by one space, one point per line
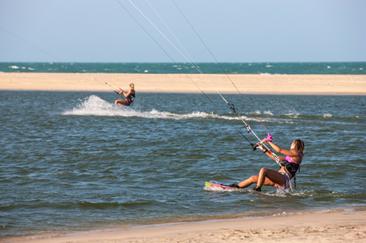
74 161
227 68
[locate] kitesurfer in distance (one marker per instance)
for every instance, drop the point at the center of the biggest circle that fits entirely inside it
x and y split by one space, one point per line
129 96
290 164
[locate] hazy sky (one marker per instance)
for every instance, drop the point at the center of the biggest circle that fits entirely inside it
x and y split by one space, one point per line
234 30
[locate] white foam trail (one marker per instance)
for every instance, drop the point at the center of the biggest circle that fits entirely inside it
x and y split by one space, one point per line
269 113
95 106
327 115
293 114
257 112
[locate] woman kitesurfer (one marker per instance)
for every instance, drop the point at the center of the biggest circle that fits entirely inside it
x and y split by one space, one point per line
290 163
129 96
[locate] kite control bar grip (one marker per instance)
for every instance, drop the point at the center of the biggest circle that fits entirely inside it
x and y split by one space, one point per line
254 146
269 138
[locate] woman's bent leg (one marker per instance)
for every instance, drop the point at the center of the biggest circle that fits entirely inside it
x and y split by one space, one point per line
269 177
120 102
265 177
248 182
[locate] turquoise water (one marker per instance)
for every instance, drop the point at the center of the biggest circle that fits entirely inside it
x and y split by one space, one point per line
232 68
74 161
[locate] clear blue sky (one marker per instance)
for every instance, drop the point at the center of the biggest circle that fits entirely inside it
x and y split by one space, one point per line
235 30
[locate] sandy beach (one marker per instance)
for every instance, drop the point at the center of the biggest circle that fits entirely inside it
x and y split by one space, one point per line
189 83
331 226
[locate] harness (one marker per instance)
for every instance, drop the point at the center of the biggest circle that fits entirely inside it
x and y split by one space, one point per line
131 97
291 167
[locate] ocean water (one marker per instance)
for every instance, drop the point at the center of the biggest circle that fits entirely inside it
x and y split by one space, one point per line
229 68
74 161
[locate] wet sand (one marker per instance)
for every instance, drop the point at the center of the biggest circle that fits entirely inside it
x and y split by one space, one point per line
332 226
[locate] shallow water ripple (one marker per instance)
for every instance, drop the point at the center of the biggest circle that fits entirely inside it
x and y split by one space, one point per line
75 161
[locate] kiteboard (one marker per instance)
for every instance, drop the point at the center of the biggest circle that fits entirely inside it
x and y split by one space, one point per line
219 187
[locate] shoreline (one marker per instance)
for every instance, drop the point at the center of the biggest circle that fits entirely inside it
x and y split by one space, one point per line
334 225
274 84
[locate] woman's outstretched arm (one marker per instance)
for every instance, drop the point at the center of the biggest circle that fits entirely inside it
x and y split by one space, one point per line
270 154
280 150
127 93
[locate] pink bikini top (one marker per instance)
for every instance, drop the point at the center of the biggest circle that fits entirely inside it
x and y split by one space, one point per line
291 160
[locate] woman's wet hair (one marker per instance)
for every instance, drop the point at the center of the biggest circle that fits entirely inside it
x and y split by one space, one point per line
299 145
132 85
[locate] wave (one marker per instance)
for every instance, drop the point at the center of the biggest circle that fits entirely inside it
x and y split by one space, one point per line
105 205
258 112
79 204
13 67
95 106
293 114
265 74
